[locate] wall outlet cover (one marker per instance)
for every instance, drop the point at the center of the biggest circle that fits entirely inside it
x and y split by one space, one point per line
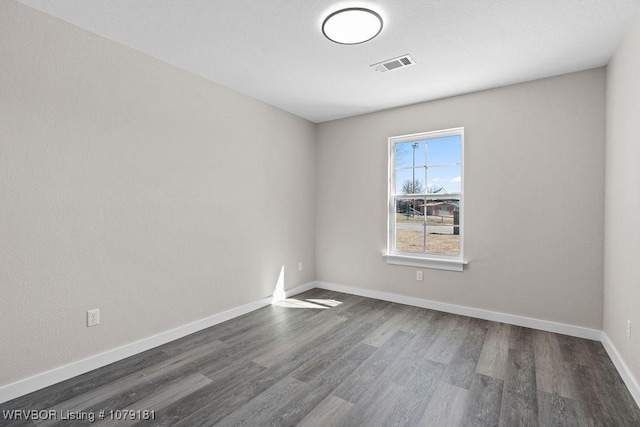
628 329
93 317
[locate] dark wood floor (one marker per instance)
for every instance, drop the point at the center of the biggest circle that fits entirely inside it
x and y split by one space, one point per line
354 362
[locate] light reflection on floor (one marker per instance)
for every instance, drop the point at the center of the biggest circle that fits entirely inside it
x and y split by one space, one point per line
296 303
327 302
279 298
310 303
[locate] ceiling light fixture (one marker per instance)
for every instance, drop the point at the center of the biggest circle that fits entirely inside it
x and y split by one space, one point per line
352 25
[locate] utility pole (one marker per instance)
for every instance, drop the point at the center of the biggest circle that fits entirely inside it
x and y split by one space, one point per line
413 183
413 180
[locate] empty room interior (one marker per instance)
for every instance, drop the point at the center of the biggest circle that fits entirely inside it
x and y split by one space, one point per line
243 213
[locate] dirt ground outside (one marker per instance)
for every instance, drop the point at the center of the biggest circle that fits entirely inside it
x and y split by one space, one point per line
413 240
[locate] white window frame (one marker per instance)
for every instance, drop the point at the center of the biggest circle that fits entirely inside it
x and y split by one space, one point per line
419 259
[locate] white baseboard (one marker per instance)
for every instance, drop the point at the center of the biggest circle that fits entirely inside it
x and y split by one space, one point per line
73 369
527 322
628 378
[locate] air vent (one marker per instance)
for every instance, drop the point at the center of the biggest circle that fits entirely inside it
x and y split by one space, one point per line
394 64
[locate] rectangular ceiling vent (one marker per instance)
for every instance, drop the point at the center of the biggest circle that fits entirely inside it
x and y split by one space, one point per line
394 64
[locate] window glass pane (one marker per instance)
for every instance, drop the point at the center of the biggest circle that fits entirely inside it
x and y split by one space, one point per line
443 240
424 225
444 150
409 154
404 178
443 231
409 225
444 179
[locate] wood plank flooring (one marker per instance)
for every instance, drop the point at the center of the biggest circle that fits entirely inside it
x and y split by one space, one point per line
352 361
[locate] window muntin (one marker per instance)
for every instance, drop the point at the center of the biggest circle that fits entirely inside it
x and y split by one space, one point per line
425 194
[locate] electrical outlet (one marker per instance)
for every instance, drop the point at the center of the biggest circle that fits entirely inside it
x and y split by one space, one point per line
300 266
93 317
628 329
419 275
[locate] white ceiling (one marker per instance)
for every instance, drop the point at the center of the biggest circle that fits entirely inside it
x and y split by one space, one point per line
274 50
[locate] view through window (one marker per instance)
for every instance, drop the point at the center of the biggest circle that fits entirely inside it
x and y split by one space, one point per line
425 194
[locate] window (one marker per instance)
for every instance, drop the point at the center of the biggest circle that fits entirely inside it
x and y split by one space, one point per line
425 200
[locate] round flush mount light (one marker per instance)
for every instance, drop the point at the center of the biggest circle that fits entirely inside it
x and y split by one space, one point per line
352 26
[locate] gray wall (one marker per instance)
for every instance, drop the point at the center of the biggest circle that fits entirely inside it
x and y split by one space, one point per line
137 188
536 150
622 219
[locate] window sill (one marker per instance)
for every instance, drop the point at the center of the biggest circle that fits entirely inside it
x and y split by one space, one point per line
435 263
